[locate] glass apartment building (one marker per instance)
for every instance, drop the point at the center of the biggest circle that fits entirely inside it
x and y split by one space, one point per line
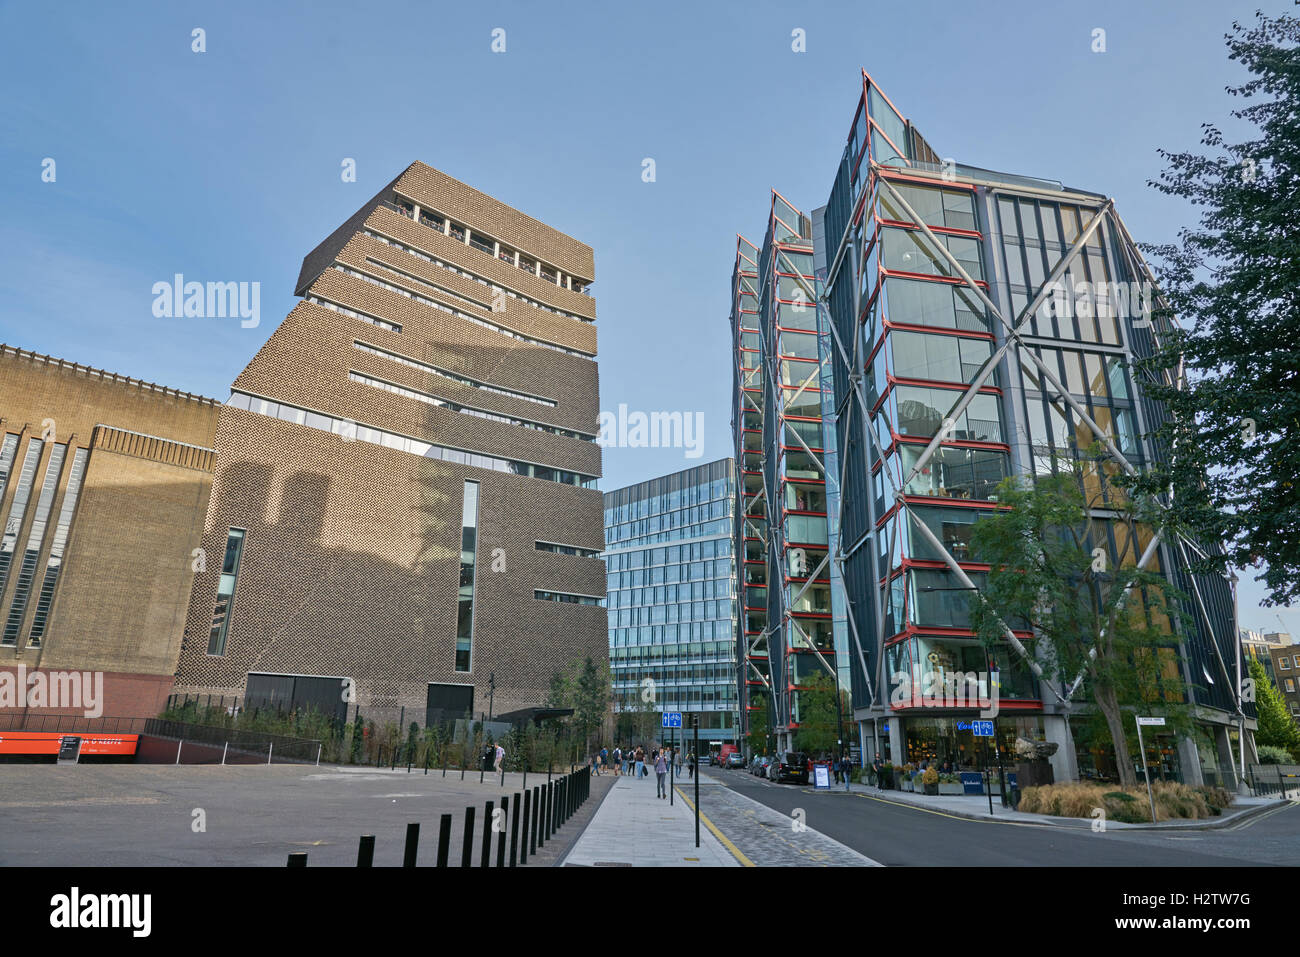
671 596
984 325
782 389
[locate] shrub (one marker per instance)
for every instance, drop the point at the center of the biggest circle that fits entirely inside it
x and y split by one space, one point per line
1268 754
1174 801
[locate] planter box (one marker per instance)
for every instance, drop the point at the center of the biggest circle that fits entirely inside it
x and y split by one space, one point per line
931 789
945 788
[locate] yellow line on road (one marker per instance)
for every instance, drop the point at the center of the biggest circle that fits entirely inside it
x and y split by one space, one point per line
1242 825
735 851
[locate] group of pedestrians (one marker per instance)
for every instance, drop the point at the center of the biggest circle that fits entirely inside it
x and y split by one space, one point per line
637 762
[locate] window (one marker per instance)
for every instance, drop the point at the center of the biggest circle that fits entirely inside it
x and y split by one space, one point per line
566 549
915 302
1290 685
921 412
909 250
35 539
55 562
938 357
468 559
18 510
568 598
226 591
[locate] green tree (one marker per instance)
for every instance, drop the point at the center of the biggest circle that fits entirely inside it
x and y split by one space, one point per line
819 715
1277 728
1231 380
760 727
591 700
1092 610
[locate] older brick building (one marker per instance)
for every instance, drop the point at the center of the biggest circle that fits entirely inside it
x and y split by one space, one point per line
104 484
404 508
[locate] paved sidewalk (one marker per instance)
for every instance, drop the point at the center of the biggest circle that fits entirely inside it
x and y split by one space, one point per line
976 806
633 828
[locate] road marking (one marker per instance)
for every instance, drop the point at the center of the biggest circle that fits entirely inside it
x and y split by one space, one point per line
735 851
1242 825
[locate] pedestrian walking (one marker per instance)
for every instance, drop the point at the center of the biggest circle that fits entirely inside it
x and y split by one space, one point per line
879 767
618 760
640 762
846 769
501 756
661 773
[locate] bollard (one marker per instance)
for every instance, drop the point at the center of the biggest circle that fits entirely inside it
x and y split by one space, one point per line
297 859
224 748
501 843
319 748
269 748
514 828
550 810
523 846
444 839
486 859
503 774
412 844
444 765
467 840
178 751
533 842
366 851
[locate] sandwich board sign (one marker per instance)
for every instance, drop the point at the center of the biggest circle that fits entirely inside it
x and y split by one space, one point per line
821 777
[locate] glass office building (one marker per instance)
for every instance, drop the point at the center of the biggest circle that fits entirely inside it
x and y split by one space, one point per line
782 389
671 596
984 325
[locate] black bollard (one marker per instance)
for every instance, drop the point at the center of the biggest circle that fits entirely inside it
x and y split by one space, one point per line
366 851
514 828
486 859
297 859
412 844
533 842
523 847
444 839
467 840
501 842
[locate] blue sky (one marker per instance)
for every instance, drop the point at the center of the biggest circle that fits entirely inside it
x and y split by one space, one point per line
225 165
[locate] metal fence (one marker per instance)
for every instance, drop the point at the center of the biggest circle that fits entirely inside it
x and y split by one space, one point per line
1274 780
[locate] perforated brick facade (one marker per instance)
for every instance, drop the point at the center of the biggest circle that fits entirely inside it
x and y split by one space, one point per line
351 557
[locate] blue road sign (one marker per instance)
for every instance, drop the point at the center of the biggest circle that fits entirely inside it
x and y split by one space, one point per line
982 729
672 719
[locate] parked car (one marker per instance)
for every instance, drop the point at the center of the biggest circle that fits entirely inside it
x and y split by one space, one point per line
790 766
735 760
759 765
